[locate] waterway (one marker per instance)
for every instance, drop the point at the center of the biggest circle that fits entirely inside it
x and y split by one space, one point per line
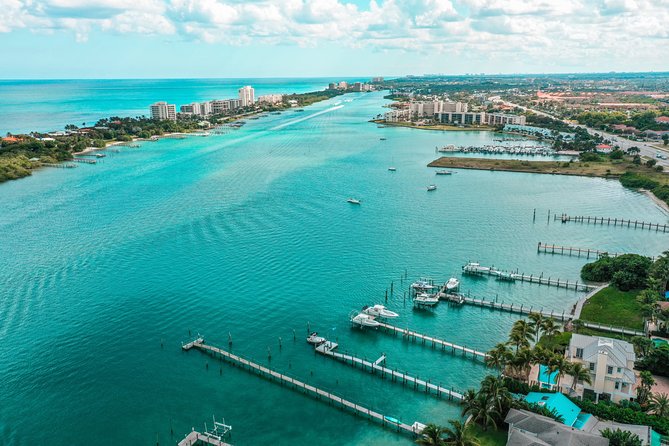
105 269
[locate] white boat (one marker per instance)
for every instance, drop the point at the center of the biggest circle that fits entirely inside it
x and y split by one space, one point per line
428 300
452 284
444 172
353 201
392 169
314 339
422 284
379 311
365 320
432 187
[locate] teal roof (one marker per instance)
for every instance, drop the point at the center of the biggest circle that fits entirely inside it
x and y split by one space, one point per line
562 405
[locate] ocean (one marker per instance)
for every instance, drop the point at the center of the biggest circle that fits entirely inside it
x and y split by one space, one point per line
247 236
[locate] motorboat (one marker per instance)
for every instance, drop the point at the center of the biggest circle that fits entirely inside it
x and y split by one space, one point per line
100 155
392 169
379 311
431 187
365 320
353 201
422 284
452 284
428 300
444 172
382 139
314 339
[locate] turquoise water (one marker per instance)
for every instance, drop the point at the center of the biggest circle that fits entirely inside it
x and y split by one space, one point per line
105 268
44 105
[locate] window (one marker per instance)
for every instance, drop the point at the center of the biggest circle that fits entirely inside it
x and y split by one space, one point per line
592 366
617 385
609 370
619 370
579 353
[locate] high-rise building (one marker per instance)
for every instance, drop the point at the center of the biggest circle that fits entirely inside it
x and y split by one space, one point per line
246 96
163 110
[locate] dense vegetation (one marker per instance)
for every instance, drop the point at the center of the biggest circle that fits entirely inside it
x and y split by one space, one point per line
625 272
629 413
605 119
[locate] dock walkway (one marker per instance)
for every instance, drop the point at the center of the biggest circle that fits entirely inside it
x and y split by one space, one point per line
272 375
476 269
608 221
196 438
328 348
578 252
445 345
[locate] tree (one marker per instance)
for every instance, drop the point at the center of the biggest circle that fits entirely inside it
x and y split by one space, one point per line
496 394
643 393
521 334
476 405
459 434
579 373
665 139
621 438
651 162
537 323
659 405
642 345
550 328
498 357
432 435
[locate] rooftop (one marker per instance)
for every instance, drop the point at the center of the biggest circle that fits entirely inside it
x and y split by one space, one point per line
558 402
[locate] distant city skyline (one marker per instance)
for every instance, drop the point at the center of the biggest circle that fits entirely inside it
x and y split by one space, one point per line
55 39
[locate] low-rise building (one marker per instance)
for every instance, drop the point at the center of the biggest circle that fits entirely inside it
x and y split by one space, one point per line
463 118
503 119
163 110
271 98
224 106
610 363
662 120
528 428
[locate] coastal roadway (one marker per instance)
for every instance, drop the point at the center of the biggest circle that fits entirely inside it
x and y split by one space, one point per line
645 149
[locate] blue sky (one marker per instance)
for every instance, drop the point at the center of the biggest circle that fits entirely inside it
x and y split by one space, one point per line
285 38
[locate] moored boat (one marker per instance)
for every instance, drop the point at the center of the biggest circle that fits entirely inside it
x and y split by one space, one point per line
379 311
452 284
428 300
422 284
365 320
314 339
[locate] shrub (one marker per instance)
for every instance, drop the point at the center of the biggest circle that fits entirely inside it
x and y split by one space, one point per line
626 272
629 415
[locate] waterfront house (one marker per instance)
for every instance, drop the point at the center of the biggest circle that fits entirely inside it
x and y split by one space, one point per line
611 364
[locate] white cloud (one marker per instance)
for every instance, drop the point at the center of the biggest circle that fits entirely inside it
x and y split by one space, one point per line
556 31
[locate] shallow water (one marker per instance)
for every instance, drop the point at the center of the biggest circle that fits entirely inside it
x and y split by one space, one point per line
105 269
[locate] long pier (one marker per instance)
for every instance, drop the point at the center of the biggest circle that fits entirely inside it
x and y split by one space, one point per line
445 345
84 160
578 252
476 269
608 221
328 348
386 421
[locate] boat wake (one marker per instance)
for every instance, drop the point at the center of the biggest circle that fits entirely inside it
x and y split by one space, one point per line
295 121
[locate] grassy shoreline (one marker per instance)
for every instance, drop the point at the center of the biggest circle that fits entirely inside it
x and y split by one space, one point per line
438 127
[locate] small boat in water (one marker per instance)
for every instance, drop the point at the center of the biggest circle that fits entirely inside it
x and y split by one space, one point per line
353 201
100 155
314 339
382 139
379 311
365 320
444 172
422 284
452 284
428 300
432 187
392 169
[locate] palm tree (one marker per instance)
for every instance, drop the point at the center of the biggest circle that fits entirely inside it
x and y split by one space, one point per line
523 330
495 393
537 323
476 405
498 357
517 339
459 435
522 361
659 404
579 373
560 365
620 437
432 435
550 328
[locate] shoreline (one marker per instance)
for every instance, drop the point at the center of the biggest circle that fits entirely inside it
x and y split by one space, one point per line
439 128
661 204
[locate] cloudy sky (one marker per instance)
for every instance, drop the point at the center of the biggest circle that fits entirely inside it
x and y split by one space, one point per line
274 38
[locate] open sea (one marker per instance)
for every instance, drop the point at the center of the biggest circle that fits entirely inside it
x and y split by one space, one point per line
105 268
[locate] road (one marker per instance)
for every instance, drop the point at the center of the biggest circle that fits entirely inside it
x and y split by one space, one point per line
645 149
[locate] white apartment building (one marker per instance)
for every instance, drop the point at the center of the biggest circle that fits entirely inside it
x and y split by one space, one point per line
342 85
225 105
461 118
271 98
397 115
197 108
428 109
163 110
246 96
503 119
610 362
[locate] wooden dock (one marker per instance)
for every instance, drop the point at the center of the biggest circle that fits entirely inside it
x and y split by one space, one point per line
84 160
386 421
425 339
328 348
578 252
478 270
608 221
196 438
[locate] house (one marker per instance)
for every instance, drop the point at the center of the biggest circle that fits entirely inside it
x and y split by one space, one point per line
528 428
611 364
662 120
655 134
603 148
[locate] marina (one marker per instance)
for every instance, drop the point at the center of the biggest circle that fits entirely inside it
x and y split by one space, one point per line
527 150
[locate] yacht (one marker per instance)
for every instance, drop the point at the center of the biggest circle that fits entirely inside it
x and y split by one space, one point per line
432 187
426 299
422 284
379 311
444 172
353 201
452 284
392 169
314 339
365 320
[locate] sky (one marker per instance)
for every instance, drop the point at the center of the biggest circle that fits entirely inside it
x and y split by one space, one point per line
51 39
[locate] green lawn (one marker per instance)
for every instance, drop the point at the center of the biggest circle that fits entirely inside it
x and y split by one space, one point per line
491 437
613 307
